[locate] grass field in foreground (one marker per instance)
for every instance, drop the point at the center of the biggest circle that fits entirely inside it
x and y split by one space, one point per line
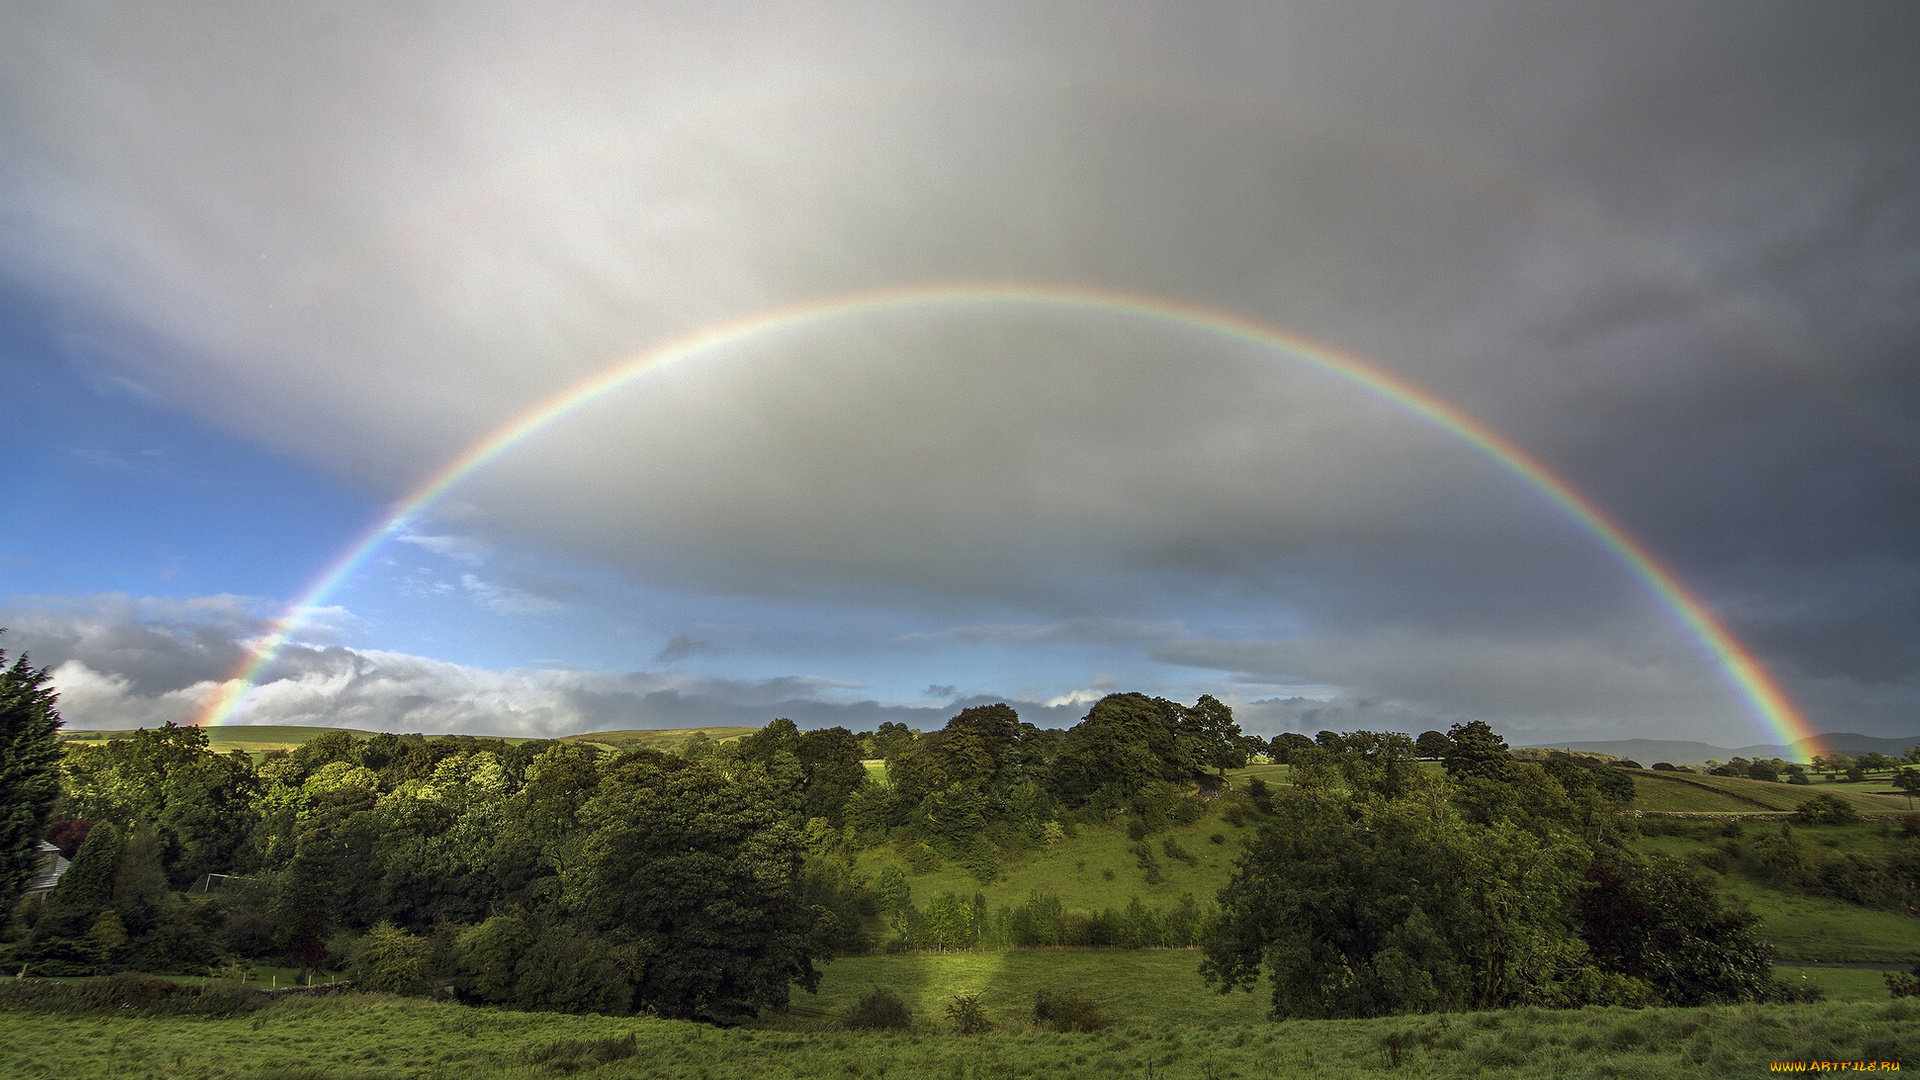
369 1037
1134 986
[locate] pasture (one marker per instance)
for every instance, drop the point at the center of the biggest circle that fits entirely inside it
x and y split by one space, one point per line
373 1037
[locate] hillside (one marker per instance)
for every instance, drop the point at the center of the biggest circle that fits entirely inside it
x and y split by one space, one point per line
254 740
666 740
1695 793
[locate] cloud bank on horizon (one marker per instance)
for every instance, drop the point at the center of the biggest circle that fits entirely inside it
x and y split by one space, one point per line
261 273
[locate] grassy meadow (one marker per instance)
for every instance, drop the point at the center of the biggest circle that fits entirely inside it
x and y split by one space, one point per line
368 1037
1163 1021
252 739
1667 792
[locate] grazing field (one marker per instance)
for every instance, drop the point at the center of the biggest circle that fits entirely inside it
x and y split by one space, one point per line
1134 986
1094 870
1818 928
254 740
1694 793
1836 984
371 1037
665 740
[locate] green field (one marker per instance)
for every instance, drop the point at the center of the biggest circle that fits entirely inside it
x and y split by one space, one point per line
1077 870
254 740
368 1037
665 740
1692 793
1135 986
1837 984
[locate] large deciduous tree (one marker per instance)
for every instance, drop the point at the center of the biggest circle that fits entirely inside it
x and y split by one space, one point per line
29 771
699 876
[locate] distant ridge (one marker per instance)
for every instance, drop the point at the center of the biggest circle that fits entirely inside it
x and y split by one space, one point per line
1648 751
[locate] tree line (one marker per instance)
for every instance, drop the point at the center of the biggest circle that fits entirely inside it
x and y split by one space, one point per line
708 883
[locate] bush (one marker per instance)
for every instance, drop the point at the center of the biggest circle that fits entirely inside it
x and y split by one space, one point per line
881 1010
1664 766
392 961
968 1014
1068 1011
1175 851
1826 810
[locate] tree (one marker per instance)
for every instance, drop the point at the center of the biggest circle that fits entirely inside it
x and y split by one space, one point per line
1908 780
699 876
1432 745
29 771
1362 905
1476 750
1209 722
1124 743
1282 746
830 760
1663 922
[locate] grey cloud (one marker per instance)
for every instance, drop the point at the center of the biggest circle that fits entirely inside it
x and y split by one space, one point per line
1665 247
681 647
1531 686
154 645
1078 630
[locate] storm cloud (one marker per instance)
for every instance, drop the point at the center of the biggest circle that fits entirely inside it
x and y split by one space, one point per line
1668 249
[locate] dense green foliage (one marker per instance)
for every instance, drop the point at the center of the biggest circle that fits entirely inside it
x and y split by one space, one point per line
707 883
1378 887
29 784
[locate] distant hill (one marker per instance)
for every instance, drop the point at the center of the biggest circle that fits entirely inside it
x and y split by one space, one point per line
663 739
254 740
1648 751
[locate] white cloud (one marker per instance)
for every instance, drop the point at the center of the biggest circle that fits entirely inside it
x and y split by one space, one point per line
506 599
464 549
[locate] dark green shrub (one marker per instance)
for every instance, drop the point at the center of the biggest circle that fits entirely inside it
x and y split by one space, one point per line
568 971
968 1014
1175 851
1826 809
881 1010
1068 1011
392 961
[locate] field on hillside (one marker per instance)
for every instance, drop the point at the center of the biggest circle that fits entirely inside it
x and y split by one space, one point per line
371 1037
1806 927
1093 870
1695 793
254 740
665 740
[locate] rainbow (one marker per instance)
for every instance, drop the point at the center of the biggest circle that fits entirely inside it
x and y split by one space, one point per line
1743 672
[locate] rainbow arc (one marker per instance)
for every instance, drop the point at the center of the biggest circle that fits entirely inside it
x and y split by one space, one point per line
1743 672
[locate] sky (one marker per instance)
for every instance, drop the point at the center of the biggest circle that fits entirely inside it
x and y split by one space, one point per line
267 270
